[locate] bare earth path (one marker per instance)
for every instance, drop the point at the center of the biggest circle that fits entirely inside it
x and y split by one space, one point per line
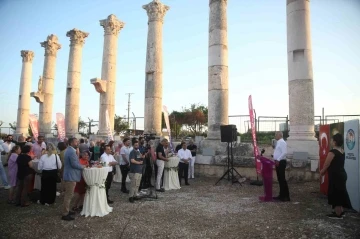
201 210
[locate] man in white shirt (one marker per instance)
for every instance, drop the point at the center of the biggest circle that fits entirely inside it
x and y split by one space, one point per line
107 158
124 163
8 144
160 162
185 157
280 162
39 147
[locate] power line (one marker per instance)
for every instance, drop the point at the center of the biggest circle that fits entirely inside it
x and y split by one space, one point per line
128 109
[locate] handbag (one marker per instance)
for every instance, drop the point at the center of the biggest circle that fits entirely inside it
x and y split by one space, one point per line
58 177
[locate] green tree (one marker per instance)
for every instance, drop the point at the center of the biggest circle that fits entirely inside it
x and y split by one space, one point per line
13 125
176 119
82 124
120 125
30 131
195 118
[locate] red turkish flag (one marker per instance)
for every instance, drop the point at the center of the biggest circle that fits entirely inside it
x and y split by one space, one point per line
324 143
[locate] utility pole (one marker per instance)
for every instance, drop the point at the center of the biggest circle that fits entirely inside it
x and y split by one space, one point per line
128 109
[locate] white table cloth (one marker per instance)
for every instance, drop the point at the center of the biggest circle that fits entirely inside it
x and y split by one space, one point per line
171 176
37 181
95 202
118 175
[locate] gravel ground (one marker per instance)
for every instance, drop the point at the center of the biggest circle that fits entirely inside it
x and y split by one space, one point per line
201 210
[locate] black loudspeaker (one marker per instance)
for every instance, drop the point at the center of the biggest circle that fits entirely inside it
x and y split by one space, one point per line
228 133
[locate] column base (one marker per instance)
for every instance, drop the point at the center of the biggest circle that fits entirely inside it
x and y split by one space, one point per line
51 139
77 135
212 147
309 146
16 136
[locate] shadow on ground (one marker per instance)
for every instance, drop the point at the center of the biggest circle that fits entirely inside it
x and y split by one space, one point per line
201 210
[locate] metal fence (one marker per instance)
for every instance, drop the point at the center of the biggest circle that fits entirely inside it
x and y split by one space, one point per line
272 123
329 119
281 123
242 122
6 130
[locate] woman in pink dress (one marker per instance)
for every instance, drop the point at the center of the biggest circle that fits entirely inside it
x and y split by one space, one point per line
12 171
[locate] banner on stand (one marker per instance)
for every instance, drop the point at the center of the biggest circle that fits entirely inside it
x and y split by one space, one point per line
167 122
60 122
34 125
337 128
324 148
253 132
352 165
108 128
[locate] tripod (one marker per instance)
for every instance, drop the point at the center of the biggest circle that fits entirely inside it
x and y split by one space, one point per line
150 192
230 171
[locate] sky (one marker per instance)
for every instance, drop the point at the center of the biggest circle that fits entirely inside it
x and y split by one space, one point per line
257 54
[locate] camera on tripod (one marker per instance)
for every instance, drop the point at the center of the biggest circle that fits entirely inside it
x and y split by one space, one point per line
147 138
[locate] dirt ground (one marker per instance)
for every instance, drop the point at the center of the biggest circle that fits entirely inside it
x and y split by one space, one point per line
200 210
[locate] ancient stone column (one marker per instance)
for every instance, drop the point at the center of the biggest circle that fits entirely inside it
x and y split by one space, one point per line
300 74
77 40
106 86
217 69
154 67
22 123
51 46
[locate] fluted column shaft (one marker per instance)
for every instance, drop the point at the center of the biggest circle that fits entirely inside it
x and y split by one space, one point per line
218 97
51 46
154 67
112 27
300 72
22 123
77 40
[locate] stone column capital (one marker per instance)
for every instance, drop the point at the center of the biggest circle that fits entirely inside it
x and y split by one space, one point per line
290 1
51 45
77 37
112 25
156 10
27 56
212 1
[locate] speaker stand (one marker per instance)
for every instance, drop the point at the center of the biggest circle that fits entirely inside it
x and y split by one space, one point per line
230 169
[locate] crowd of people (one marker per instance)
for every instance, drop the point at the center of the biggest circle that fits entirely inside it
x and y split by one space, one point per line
60 168
64 164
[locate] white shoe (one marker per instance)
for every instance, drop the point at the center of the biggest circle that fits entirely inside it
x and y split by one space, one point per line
7 187
57 194
241 180
47 204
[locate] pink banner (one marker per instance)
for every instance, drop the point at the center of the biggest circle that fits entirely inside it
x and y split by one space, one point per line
60 122
34 125
253 132
167 122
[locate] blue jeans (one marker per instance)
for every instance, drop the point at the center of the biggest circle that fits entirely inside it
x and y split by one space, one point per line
3 173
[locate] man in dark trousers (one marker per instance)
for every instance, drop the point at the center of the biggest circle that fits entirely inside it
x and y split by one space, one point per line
185 156
192 147
280 162
147 171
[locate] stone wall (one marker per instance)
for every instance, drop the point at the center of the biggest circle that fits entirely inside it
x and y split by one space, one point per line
210 165
292 174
